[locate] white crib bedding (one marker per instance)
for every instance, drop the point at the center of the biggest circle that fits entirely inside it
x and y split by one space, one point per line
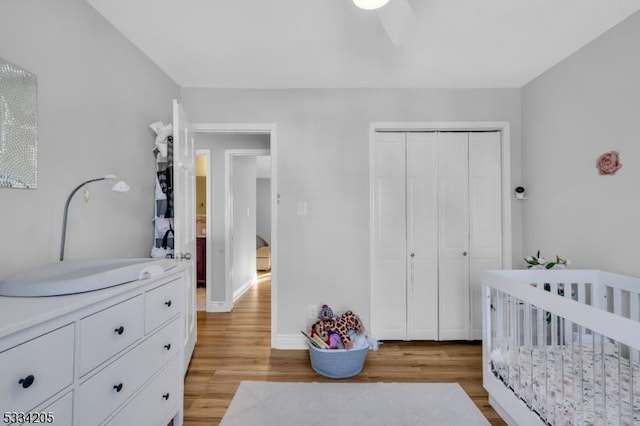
564 384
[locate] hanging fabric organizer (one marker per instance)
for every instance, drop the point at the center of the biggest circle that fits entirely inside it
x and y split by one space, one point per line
163 220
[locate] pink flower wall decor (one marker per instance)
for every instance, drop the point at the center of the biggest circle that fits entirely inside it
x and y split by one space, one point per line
608 163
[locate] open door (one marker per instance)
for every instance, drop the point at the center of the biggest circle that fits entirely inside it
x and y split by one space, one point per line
184 193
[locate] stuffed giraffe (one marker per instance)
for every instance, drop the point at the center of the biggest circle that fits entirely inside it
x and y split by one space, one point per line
340 325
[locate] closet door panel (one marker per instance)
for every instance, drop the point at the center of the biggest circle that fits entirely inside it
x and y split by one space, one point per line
485 216
453 210
422 236
388 292
485 191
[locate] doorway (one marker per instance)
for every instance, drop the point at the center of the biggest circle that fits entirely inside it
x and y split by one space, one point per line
241 219
203 158
219 262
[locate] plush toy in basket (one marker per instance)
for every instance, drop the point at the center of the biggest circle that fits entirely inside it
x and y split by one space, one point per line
339 325
331 344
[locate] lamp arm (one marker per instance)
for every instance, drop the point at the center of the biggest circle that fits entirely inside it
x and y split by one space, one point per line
66 212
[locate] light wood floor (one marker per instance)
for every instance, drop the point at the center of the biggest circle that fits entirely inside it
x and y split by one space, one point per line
235 346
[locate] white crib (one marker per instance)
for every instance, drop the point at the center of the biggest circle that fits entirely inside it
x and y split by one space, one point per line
562 347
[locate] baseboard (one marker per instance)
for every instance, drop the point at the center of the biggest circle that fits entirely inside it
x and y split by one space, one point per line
291 342
246 286
219 307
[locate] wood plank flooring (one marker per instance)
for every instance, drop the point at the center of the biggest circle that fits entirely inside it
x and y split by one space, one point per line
235 346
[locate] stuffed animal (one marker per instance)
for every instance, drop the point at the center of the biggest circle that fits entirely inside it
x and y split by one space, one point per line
326 313
341 326
333 340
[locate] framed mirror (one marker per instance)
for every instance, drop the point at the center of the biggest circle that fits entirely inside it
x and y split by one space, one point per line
18 127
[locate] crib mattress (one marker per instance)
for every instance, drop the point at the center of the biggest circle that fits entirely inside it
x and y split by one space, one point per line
574 384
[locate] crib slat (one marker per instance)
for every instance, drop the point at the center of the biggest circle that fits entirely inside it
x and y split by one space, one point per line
581 289
527 325
554 326
581 332
568 325
540 315
514 345
634 314
634 306
617 301
599 296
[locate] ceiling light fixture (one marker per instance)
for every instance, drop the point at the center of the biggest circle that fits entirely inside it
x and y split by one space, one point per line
370 4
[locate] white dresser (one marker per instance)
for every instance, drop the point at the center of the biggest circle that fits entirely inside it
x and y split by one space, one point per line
107 357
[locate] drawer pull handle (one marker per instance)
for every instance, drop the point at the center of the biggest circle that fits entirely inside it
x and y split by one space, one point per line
167 346
119 330
27 381
118 387
166 396
168 303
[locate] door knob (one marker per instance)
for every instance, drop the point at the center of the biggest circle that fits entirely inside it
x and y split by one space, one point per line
413 255
184 256
464 253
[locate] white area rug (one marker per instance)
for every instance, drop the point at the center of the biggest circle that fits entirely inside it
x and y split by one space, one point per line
353 404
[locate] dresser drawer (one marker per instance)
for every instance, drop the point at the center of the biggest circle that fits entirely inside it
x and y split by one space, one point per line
59 413
107 332
156 402
160 347
62 410
162 303
34 371
108 389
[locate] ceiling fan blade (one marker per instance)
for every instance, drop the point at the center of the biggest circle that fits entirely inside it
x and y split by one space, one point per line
399 21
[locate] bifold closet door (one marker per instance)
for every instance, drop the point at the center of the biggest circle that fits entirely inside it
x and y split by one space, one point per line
470 227
388 286
422 236
453 233
485 217
437 224
405 270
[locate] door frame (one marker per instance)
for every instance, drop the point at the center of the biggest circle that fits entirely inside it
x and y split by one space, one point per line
206 152
260 128
505 146
229 155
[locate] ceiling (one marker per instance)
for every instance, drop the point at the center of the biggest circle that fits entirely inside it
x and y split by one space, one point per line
333 44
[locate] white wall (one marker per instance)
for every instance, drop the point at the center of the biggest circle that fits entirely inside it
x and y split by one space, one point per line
263 209
586 105
217 143
97 95
243 184
323 159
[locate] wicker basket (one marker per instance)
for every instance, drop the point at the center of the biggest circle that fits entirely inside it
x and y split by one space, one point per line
337 363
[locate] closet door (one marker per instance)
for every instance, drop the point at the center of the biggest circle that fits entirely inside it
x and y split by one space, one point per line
422 236
453 212
388 290
485 216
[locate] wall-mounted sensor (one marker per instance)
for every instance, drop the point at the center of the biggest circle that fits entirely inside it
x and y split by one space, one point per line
520 193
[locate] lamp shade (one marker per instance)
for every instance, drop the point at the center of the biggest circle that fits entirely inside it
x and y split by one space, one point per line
120 186
370 4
